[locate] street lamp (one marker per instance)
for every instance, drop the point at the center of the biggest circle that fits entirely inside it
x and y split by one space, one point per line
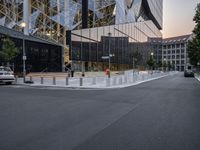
23 25
164 64
198 64
152 60
109 35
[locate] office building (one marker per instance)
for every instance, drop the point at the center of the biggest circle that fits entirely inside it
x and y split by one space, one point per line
175 52
86 31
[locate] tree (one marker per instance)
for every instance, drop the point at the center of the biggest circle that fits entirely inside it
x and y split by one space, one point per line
194 44
136 58
169 66
159 64
151 62
164 65
8 50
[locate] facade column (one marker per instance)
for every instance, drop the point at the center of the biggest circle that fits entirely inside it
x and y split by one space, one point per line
67 32
26 13
58 17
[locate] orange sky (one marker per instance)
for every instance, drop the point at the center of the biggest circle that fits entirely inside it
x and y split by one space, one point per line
178 17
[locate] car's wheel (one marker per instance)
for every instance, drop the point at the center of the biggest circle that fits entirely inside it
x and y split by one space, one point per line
8 83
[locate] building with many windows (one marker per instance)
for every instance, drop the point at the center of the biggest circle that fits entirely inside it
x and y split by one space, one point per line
175 52
87 30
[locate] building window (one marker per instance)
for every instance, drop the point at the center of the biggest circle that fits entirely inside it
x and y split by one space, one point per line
177 56
182 51
182 45
177 45
178 51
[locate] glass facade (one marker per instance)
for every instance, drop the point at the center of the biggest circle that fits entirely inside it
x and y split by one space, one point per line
40 56
122 41
98 28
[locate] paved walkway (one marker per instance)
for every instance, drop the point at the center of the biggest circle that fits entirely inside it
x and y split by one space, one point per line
116 81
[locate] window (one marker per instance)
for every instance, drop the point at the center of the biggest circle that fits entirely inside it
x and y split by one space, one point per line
182 45
177 45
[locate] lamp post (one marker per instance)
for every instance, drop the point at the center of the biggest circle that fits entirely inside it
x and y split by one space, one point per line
164 65
198 64
152 61
109 35
23 25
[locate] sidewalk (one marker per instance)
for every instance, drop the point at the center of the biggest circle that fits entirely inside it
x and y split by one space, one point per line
76 74
116 81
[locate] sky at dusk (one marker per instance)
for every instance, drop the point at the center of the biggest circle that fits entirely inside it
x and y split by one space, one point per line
178 17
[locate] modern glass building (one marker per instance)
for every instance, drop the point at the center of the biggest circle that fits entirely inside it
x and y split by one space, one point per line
119 29
90 31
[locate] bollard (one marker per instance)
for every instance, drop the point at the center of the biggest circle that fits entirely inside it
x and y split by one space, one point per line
16 79
120 81
42 80
125 79
81 81
54 80
94 81
67 81
135 78
114 81
31 78
107 82
143 77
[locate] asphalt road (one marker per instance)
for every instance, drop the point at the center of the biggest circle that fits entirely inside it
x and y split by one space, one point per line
159 115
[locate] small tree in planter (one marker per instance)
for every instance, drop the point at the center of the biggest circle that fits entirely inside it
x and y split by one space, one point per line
8 51
151 62
169 66
164 65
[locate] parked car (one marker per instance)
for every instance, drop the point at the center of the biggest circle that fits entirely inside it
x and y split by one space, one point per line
6 75
188 73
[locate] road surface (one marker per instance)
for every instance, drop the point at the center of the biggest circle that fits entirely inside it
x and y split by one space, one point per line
163 114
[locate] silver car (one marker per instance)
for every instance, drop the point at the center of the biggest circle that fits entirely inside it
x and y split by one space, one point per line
6 75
